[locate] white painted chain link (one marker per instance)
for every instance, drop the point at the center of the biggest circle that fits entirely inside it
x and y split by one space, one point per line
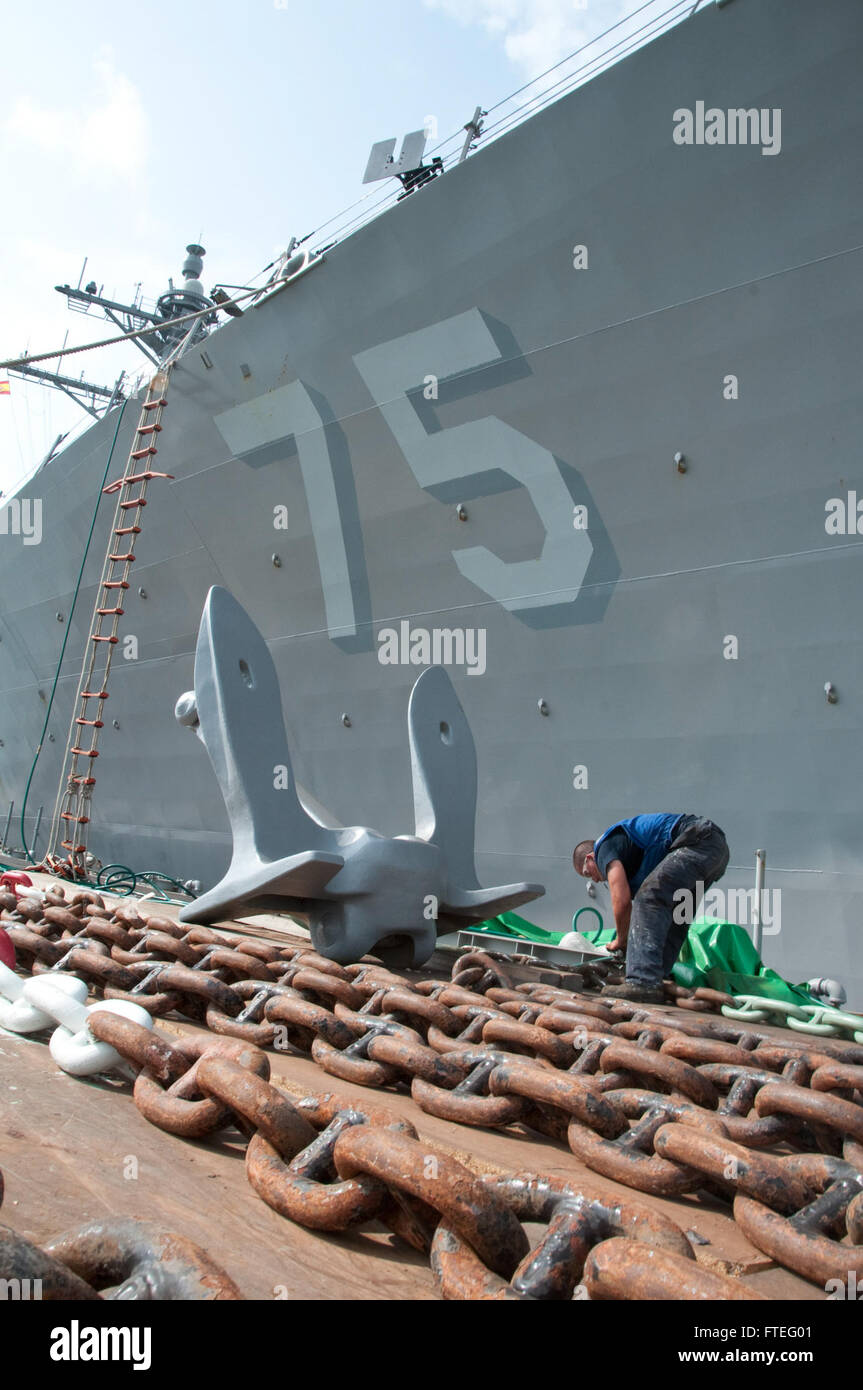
30 1006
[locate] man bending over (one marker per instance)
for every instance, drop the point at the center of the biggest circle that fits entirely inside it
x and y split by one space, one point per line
646 860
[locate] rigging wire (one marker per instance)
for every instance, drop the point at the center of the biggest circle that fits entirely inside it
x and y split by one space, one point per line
499 128
567 83
672 15
124 337
336 215
575 52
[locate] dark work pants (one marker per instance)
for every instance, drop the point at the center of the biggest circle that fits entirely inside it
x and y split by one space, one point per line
698 855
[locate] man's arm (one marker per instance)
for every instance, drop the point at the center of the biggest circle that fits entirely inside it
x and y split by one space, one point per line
621 903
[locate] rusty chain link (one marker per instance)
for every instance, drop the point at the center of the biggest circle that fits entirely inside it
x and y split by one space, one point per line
664 1104
115 1259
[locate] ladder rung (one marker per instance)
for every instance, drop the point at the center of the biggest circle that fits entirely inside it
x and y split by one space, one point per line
144 453
76 849
110 610
83 781
115 584
127 530
133 502
85 752
151 405
146 476
79 820
135 478
94 723
112 640
130 557
94 694
150 429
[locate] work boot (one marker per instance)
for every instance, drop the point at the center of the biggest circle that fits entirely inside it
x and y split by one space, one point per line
637 993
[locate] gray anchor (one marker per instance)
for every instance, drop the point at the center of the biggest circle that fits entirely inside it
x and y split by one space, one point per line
359 890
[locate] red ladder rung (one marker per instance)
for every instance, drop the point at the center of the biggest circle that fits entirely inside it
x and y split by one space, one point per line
94 694
85 752
127 530
144 453
94 723
112 640
115 584
130 557
133 502
145 477
150 429
152 405
76 849
83 781
104 611
135 478
79 820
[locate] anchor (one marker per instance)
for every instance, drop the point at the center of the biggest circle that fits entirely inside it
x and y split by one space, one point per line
359 890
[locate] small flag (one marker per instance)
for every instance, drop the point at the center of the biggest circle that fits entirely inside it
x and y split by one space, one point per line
4 388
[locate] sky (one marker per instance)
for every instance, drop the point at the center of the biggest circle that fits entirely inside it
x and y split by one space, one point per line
127 132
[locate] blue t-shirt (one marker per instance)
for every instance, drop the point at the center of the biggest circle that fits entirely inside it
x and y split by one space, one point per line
640 843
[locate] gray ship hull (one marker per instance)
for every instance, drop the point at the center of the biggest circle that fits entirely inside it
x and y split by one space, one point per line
451 353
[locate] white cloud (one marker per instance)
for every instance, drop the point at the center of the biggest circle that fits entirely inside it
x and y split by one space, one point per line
106 137
538 33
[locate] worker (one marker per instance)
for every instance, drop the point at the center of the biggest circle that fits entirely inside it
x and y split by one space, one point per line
656 867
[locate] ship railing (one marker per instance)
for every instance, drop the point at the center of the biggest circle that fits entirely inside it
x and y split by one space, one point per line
643 24
10 827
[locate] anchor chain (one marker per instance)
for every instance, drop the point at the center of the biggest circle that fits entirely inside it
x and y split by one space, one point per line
115 1259
666 1104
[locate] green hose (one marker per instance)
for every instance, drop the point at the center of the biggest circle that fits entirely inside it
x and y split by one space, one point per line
121 881
597 913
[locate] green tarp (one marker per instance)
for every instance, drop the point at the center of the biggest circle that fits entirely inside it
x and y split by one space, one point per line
719 955
722 956
510 924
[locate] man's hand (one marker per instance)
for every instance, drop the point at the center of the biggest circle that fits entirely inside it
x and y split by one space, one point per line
621 904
